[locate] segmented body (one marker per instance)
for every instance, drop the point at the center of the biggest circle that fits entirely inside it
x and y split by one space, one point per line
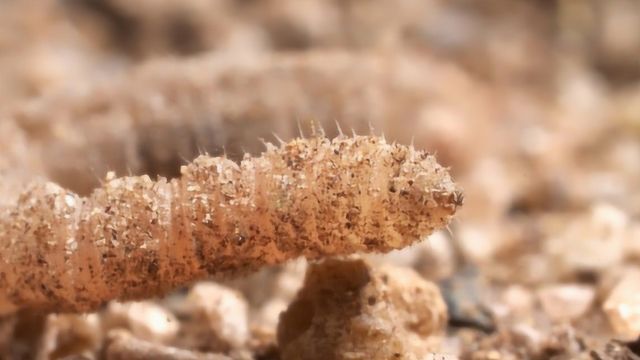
135 237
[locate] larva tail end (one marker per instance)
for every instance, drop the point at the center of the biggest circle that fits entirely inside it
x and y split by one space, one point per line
369 195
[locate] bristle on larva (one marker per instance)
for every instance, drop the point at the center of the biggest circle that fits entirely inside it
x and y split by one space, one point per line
135 237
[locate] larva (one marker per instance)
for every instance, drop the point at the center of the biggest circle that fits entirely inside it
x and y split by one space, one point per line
167 111
135 237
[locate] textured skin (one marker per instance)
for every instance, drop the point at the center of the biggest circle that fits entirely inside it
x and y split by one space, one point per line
135 237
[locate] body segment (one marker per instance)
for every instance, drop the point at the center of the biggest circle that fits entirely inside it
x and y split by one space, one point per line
135 237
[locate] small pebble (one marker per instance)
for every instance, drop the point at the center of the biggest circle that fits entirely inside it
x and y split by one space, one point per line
592 242
221 312
566 302
623 305
70 335
518 299
466 302
145 320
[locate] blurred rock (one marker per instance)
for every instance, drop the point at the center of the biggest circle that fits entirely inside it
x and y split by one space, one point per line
122 346
217 318
566 302
270 291
434 257
70 334
7 328
562 342
465 301
616 40
479 243
489 186
438 257
79 357
623 305
527 336
591 242
619 350
627 108
268 315
280 282
518 300
146 320
633 245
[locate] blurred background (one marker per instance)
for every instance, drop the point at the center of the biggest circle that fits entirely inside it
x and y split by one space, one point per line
534 105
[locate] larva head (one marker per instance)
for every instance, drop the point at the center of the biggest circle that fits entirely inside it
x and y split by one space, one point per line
365 194
422 195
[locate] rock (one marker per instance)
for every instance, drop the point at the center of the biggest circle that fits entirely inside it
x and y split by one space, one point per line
633 245
438 257
518 300
466 302
272 282
122 346
566 302
618 350
434 257
70 335
349 310
622 306
268 315
592 242
527 336
477 243
218 317
145 320
481 243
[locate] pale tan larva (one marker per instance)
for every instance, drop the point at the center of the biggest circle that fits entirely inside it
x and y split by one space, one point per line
134 237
